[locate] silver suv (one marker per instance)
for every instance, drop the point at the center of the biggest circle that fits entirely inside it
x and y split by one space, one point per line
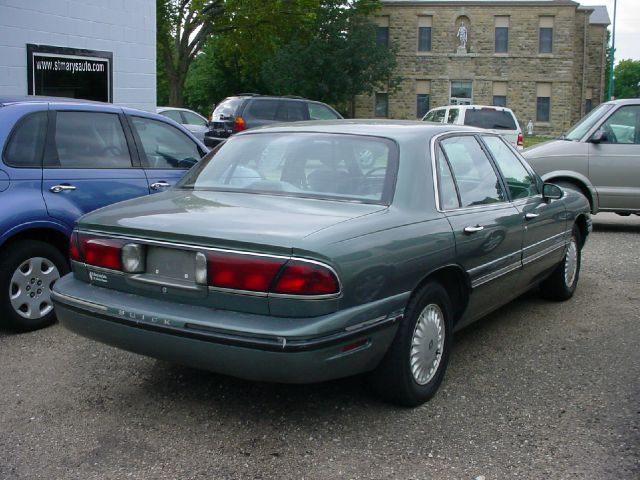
599 156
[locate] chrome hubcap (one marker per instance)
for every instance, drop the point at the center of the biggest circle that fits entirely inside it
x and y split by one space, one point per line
427 344
30 287
571 263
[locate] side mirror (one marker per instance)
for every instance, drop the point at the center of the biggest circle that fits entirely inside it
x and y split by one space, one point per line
600 136
551 191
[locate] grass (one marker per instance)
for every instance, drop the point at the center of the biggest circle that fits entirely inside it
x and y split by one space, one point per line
529 141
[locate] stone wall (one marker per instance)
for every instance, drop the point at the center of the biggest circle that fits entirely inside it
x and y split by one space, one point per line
522 67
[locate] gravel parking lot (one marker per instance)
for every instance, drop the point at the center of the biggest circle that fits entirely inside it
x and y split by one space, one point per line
536 390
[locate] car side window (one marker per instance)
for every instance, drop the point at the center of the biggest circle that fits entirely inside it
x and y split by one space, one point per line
520 181
320 112
27 142
446 185
623 126
173 115
436 116
476 179
90 140
193 119
261 109
291 111
164 146
453 115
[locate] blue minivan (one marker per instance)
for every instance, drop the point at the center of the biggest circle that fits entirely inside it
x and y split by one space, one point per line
62 158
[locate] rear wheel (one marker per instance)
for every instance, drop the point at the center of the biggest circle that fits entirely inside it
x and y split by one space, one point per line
562 283
28 271
414 366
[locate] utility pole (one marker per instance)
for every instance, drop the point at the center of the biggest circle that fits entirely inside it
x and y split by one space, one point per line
613 51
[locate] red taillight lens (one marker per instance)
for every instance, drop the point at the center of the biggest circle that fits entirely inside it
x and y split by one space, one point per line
239 124
520 140
101 252
242 272
74 249
302 278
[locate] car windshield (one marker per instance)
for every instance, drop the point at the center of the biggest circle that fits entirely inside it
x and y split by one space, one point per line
580 129
490 118
327 166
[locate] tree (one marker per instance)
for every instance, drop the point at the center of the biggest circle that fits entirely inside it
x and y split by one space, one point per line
627 79
184 27
335 59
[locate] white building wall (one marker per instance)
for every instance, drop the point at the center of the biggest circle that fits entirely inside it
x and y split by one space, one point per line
125 27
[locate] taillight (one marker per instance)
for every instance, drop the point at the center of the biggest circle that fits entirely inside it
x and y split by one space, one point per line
242 272
269 275
74 249
302 278
520 140
239 124
100 251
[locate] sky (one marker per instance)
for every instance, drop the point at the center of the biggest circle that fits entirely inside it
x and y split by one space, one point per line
627 26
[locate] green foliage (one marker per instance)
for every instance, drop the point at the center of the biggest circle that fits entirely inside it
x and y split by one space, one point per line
321 49
627 79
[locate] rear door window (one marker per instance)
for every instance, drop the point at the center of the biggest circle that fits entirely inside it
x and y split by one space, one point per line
193 119
26 144
490 118
90 140
292 111
164 146
476 179
261 109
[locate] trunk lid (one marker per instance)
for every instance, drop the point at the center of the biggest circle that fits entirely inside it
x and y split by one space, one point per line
265 223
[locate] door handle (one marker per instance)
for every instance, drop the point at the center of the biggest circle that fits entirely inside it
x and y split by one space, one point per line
61 188
475 229
160 184
531 216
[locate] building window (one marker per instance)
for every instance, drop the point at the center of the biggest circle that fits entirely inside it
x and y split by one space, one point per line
382 105
461 92
382 31
423 93
500 94
588 102
543 102
546 35
424 34
502 34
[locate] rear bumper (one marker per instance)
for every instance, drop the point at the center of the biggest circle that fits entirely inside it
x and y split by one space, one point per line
127 323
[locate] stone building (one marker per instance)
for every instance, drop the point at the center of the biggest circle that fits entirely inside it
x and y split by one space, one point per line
544 59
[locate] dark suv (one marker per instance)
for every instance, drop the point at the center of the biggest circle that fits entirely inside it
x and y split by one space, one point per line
248 110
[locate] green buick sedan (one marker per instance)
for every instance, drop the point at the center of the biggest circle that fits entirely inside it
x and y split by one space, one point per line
312 251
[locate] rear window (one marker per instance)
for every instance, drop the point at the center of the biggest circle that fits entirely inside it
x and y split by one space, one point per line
327 166
490 118
227 108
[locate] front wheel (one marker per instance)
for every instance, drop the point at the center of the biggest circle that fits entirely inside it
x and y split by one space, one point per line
414 365
562 283
28 270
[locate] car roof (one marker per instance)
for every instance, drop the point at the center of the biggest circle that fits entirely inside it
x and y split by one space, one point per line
393 129
624 101
13 99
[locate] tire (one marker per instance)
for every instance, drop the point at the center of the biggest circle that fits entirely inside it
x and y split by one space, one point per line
28 270
408 380
562 283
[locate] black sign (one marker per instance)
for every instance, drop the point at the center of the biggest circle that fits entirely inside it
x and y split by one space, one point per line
70 72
